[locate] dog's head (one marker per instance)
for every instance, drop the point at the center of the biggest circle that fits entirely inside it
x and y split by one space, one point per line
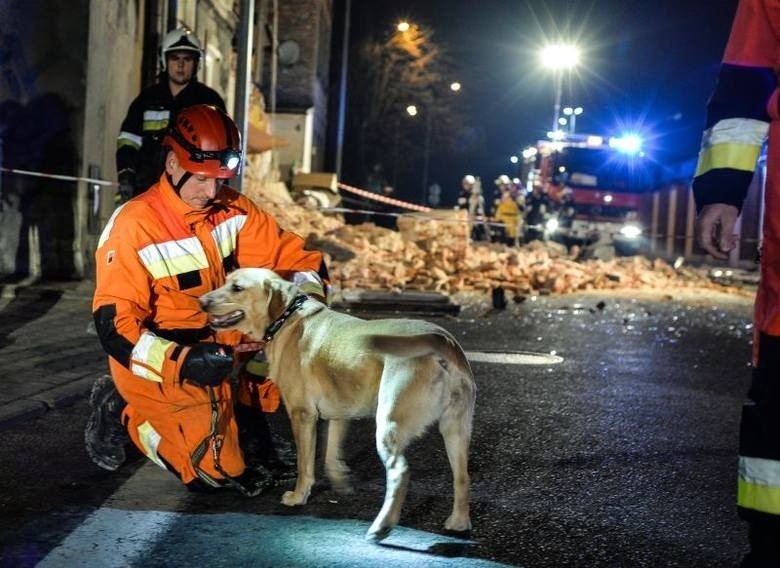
249 301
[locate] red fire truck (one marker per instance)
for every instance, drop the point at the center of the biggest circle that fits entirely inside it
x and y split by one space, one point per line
596 185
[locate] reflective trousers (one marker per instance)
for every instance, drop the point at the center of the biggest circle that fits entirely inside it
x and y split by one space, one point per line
758 494
189 428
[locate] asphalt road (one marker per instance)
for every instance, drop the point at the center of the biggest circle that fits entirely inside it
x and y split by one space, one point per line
621 454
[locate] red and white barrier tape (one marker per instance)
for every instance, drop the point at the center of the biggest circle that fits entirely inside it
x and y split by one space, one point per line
383 199
60 177
349 188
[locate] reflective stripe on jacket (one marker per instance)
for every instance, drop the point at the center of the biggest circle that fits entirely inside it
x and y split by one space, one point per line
157 256
737 113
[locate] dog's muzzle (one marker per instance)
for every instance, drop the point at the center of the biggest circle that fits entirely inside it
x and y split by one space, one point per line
226 320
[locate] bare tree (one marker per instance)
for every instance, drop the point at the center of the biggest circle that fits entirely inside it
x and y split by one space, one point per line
408 68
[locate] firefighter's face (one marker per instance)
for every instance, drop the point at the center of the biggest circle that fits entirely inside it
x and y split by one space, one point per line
198 191
181 66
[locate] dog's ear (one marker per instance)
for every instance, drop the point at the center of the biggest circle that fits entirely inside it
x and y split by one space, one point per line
276 302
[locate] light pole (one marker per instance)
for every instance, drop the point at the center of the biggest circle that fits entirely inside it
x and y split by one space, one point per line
559 58
455 87
572 113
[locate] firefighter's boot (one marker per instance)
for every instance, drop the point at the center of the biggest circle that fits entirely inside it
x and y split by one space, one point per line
105 437
261 448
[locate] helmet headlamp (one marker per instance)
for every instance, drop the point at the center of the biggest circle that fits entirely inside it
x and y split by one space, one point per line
229 158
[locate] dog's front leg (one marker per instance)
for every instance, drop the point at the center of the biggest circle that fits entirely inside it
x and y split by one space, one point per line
337 470
304 428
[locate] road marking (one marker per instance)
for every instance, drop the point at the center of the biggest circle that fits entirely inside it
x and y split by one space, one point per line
514 358
124 532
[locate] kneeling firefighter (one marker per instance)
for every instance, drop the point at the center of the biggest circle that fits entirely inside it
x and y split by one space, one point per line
170 371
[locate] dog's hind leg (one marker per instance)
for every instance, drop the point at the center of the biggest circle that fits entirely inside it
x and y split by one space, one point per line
335 468
390 449
304 427
455 428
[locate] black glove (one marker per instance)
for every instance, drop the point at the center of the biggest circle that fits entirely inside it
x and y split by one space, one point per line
207 364
126 186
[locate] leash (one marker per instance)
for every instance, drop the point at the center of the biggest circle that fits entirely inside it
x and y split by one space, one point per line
213 435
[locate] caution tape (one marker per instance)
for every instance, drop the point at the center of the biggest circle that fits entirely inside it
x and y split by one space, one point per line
349 188
383 199
94 181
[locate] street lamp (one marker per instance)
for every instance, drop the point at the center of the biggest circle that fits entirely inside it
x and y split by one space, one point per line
559 58
455 87
572 113
403 26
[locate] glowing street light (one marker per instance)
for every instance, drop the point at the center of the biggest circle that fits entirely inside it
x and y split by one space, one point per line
559 57
411 110
572 113
514 159
403 26
455 86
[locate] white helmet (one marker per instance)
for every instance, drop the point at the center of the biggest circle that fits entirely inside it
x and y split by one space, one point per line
180 39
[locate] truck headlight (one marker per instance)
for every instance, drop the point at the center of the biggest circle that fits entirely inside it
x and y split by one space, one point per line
551 225
630 231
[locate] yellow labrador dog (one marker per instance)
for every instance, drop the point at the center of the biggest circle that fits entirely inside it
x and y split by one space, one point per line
334 366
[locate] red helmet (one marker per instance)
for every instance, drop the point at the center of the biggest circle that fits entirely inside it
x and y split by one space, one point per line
206 142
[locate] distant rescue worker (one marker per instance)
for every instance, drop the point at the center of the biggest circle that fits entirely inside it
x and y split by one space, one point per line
566 210
507 215
741 113
139 159
157 255
501 183
466 185
537 211
480 230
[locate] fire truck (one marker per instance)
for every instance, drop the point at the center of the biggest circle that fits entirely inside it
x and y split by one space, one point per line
595 184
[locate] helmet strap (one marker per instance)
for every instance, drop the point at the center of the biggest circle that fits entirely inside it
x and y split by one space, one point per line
184 179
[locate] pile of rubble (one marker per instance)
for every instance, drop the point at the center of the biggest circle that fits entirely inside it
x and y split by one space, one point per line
432 252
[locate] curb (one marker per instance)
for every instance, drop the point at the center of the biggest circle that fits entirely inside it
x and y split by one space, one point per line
70 290
18 411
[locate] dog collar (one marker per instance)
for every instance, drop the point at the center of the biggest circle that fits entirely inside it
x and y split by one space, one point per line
271 330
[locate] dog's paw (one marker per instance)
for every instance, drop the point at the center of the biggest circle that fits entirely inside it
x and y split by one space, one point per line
457 523
291 499
378 534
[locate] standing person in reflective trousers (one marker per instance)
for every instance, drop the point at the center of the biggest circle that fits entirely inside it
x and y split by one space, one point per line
139 158
158 254
742 111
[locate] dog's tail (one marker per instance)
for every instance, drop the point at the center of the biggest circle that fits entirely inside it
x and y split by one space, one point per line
439 342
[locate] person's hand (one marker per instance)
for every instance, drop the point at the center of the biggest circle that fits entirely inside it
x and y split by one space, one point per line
207 364
715 229
126 186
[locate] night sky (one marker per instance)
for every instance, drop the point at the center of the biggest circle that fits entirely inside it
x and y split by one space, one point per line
648 66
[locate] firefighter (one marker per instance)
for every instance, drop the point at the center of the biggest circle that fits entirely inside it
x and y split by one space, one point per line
507 213
742 111
537 211
466 185
501 183
139 159
157 255
480 230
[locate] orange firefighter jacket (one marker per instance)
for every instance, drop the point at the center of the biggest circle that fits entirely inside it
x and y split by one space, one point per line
743 112
155 258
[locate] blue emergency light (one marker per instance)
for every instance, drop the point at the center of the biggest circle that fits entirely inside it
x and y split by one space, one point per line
628 144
